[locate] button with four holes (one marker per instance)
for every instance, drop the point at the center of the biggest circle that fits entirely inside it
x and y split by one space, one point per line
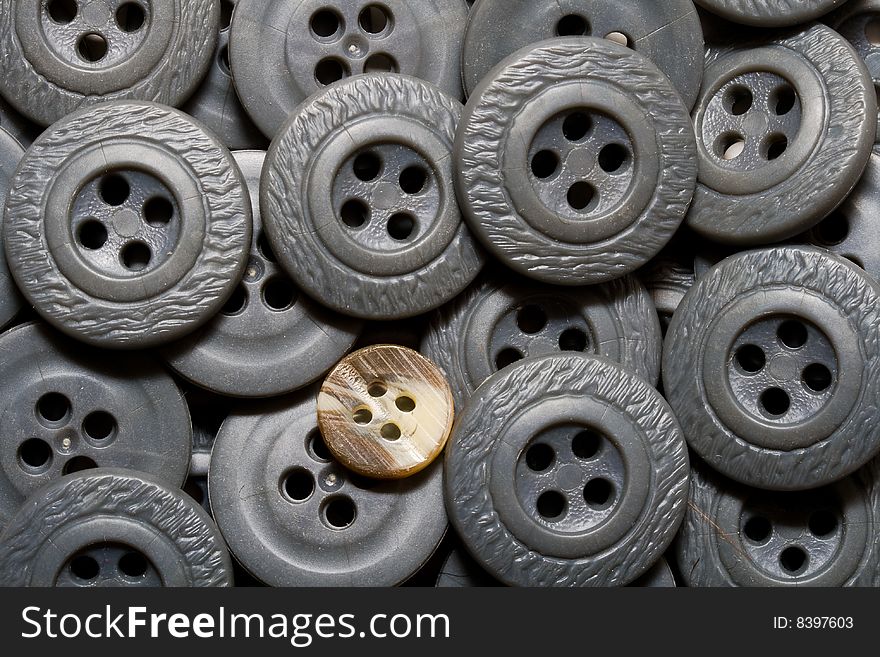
134 233
63 55
293 516
734 535
385 411
112 527
505 319
562 177
572 460
769 366
283 52
784 130
358 200
668 33
65 408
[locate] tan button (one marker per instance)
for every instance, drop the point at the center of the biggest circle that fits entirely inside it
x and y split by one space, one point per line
385 412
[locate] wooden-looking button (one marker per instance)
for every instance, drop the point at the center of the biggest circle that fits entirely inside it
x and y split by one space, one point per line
385 412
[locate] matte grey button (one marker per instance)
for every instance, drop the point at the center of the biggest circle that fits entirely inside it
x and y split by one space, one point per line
501 320
291 514
283 52
668 33
65 407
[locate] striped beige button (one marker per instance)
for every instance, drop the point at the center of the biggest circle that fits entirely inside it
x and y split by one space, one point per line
385 412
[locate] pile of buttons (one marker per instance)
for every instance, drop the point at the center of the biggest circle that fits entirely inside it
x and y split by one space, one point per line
465 293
